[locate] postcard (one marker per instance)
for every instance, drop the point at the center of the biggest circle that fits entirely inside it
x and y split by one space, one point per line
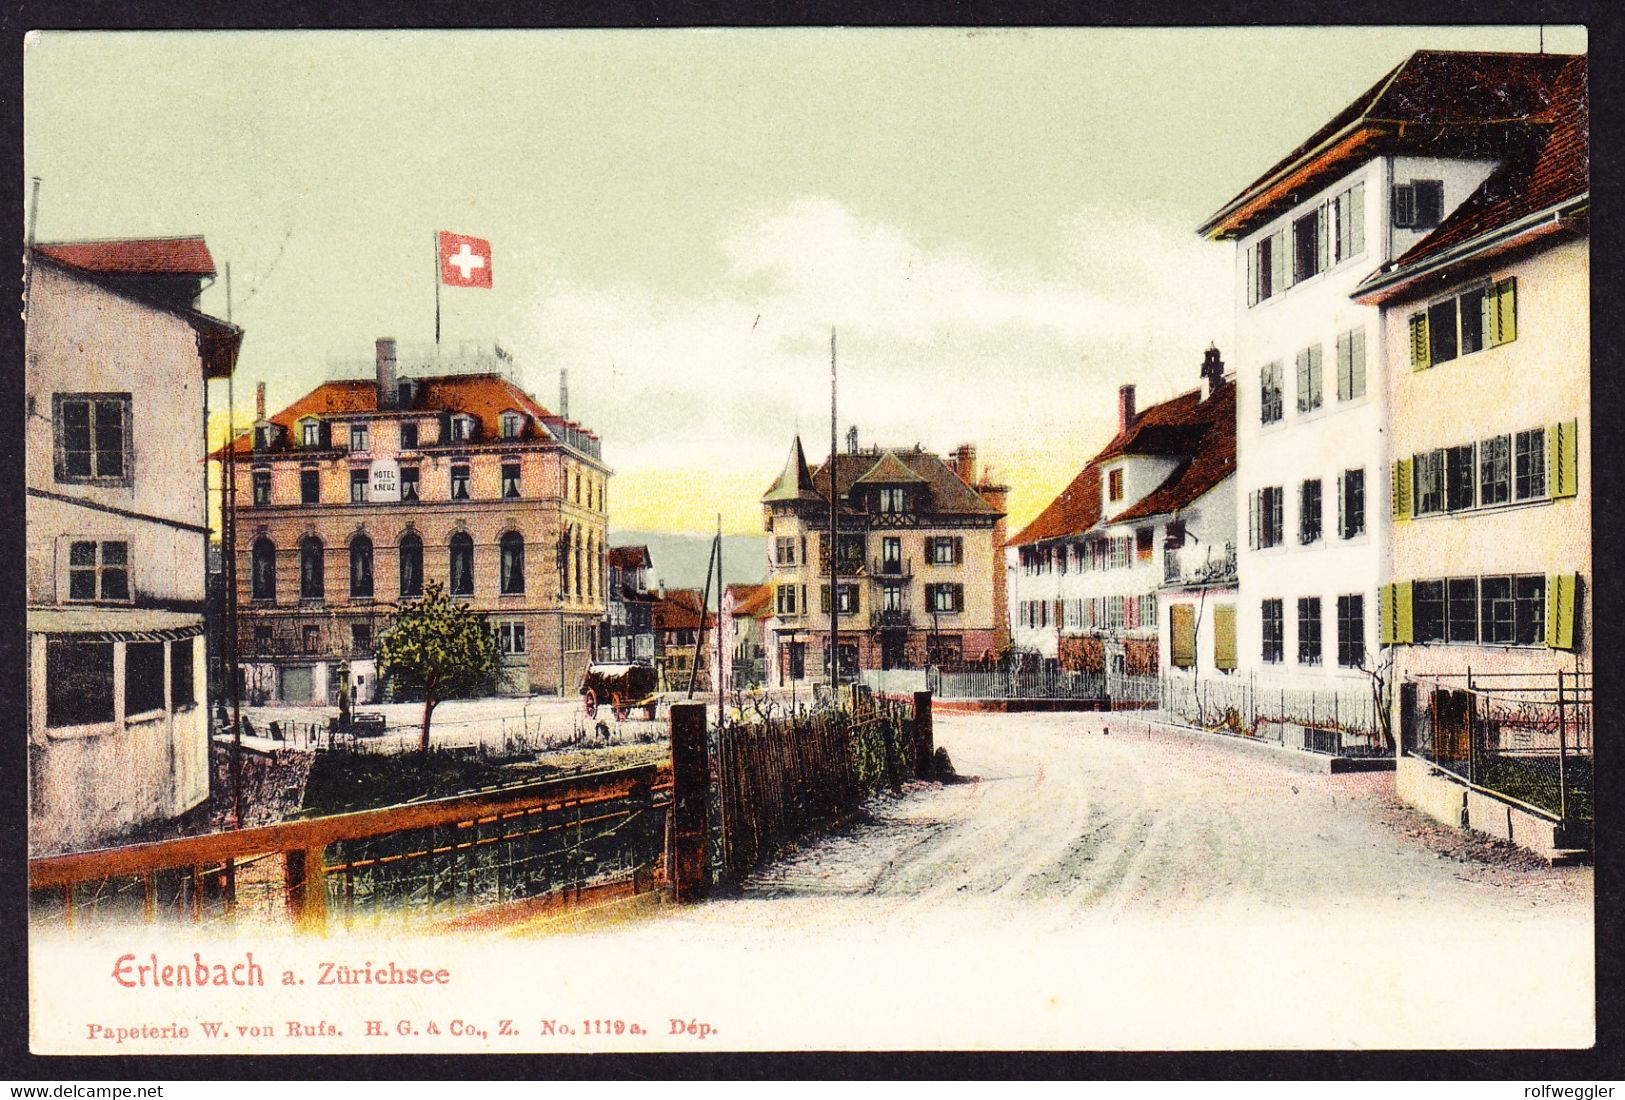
808 539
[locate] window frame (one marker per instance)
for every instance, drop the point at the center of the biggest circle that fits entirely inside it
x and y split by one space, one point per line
1310 631
100 571
1351 630
95 404
1272 632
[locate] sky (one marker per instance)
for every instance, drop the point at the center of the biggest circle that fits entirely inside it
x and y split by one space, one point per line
1000 225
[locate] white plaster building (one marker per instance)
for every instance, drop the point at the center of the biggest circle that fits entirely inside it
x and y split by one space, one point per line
1313 450
1088 576
117 364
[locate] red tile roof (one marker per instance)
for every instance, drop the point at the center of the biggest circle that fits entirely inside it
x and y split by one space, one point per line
483 396
1200 434
680 610
1556 168
748 599
134 256
629 557
1437 102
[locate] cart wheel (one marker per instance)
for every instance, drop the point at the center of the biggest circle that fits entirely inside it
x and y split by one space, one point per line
589 703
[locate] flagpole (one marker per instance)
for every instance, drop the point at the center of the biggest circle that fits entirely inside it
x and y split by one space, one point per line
435 235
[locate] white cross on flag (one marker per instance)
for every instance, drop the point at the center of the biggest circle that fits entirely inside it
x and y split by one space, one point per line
464 261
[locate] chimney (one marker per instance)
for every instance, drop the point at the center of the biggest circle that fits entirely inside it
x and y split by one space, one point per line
852 440
965 463
1125 407
1212 371
259 401
386 372
660 588
564 392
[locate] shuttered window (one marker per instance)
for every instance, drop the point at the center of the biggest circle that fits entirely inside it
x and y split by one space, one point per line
1309 374
1182 635
1400 495
1562 590
1420 357
1501 313
1351 365
1224 637
1563 458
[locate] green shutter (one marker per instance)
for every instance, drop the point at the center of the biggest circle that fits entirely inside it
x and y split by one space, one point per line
1278 258
1401 495
1357 208
1224 636
1252 520
1385 615
1503 312
1323 226
1403 633
1561 589
1421 356
1252 275
1563 458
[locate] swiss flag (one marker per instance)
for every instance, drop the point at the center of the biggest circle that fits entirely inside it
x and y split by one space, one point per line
464 261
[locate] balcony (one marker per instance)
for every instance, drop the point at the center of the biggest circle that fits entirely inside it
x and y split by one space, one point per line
1215 566
900 619
883 570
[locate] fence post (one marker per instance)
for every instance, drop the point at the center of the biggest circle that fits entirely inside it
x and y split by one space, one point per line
307 888
690 779
1562 752
924 738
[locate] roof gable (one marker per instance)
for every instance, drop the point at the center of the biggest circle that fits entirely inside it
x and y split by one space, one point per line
134 256
1201 435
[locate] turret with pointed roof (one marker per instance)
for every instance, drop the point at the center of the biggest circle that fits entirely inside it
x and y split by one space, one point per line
795 483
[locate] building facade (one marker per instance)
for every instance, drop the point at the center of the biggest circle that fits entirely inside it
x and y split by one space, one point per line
1136 539
745 611
355 497
1313 405
629 633
118 362
1487 326
685 642
919 563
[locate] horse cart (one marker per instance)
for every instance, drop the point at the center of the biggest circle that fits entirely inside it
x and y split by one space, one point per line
621 687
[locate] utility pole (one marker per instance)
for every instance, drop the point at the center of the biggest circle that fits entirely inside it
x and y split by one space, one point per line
228 580
834 542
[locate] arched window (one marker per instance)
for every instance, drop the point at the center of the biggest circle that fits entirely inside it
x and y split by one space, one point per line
311 581
264 569
513 563
411 565
361 567
565 538
462 564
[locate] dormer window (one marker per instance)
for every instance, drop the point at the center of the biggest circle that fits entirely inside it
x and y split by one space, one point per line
1114 485
1418 204
262 437
409 436
512 424
404 392
892 501
462 428
310 433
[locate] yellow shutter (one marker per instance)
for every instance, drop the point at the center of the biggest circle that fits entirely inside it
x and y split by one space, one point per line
1561 589
1563 457
1400 498
1385 615
1421 356
1504 312
1403 634
1182 634
1224 636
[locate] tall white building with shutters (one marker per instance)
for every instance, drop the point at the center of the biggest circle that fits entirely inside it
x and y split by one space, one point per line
1312 431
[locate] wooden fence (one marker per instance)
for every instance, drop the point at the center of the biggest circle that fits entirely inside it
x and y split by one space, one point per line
778 780
288 871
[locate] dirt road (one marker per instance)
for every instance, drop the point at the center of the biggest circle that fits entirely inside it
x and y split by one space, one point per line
1055 810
